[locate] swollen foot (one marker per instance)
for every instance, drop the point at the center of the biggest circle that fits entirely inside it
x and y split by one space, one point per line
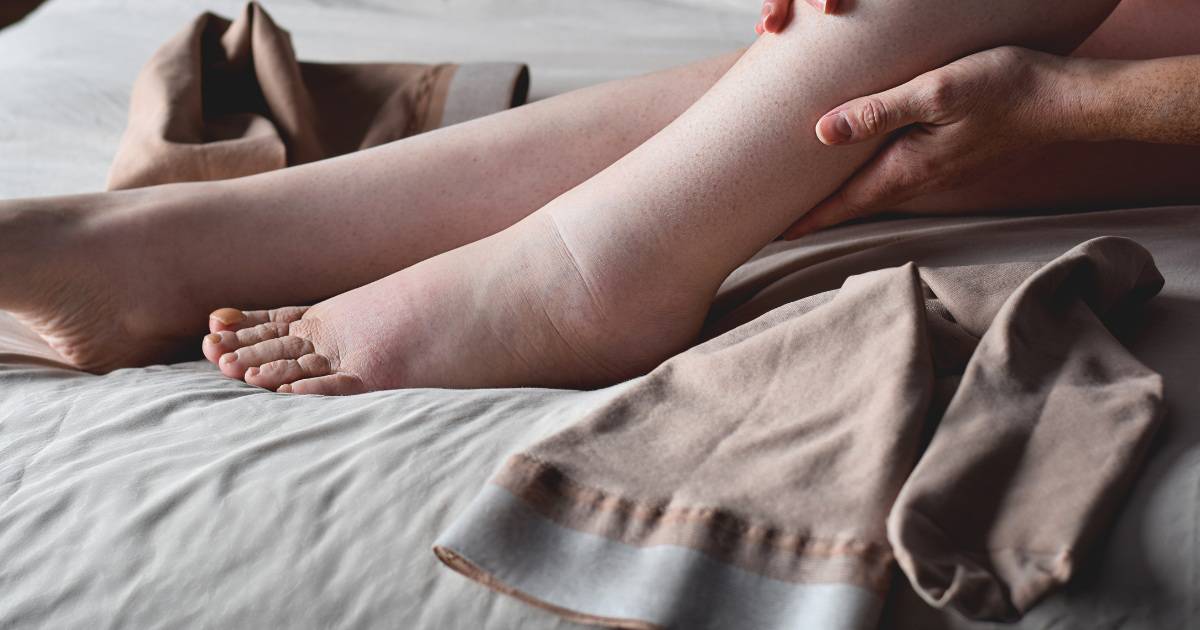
512 310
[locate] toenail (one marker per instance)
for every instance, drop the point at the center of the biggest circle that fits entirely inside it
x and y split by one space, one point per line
213 339
228 316
252 372
229 357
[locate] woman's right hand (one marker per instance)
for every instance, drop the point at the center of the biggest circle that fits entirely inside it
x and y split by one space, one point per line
777 13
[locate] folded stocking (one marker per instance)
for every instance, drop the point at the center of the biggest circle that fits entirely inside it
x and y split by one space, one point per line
225 99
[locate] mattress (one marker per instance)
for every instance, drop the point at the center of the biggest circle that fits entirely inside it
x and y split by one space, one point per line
169 496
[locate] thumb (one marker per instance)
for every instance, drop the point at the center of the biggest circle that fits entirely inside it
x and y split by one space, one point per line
881 184
871 116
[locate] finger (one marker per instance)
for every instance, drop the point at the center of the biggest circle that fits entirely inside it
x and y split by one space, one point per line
775 15
828 7
233 319
235 364
284 371
872 116
886 181
221 343
339 384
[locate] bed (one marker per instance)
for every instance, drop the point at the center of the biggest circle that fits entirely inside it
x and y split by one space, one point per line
169 496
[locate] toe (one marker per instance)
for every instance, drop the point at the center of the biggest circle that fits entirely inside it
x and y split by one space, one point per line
233 319
225 319
221 343
339 384
277 373
212 346
234 364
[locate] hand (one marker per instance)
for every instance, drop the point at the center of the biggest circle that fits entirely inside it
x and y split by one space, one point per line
777 13
955 122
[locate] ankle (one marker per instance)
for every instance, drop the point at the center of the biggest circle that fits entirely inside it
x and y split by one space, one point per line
625 318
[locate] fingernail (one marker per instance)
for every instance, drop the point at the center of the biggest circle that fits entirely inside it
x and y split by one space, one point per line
837 130
213 339
252 372
284 389
842 126
228 316
819 4
229 357
767 9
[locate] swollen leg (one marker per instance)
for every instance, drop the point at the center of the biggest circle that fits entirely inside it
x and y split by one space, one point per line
344 222
732 172
616 274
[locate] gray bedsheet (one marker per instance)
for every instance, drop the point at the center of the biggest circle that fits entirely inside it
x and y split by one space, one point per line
169 496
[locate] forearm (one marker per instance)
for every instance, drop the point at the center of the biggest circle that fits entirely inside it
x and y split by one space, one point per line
1156 100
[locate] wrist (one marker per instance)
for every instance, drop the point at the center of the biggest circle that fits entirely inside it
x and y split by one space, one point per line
1083 107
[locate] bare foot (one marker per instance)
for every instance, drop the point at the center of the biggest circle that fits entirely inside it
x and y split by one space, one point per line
90 296
515 309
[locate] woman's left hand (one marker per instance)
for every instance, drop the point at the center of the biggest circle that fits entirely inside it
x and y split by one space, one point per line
777 13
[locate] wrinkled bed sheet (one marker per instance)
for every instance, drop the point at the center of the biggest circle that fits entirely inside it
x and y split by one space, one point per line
171 496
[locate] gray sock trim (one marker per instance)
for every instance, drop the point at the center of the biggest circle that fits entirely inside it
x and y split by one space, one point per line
479 89
513 549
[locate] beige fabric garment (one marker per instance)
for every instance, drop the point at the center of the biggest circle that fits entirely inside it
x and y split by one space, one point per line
786 447
225 99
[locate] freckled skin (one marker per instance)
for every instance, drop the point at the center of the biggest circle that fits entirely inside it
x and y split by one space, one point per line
1147 101
599 284
1132 138
1150 90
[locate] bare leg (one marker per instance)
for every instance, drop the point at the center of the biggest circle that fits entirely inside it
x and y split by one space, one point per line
124 278
616 274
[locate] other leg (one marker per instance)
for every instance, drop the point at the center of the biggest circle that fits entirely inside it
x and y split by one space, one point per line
127 278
